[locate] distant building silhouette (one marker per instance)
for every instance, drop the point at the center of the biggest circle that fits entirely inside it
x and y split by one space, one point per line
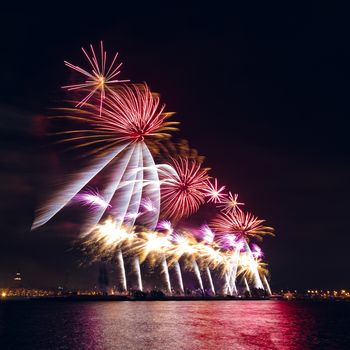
17 279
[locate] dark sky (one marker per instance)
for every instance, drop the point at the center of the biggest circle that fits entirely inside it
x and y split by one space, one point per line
262 92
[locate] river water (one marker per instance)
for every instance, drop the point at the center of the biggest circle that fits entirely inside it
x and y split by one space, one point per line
174 325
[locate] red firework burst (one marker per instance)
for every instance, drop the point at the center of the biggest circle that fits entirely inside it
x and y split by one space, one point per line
132 113
182 190
242 225
135 113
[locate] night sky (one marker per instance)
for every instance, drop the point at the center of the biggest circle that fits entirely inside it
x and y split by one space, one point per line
262 92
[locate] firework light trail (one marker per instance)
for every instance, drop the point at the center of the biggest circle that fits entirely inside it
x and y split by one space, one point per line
141 204
268 289
178 272
210 280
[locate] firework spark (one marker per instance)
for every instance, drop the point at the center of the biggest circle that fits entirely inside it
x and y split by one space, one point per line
166 226
182 191
214 193
242 225
148 206
230 203
183 245
207 234
100 77
256 251
92 199
151 245
249 267
107 237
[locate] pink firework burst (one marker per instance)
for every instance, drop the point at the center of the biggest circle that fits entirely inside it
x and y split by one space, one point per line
165 225
230 203
207 234
214 193
100 76
257 252
241 225
147 205
92 199
182 190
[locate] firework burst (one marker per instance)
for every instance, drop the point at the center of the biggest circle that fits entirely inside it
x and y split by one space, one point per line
249 267
182 191
106 238
230 203
242 225
92 199
99 78
214 193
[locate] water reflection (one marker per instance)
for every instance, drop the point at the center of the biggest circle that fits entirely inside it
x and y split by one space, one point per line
174 325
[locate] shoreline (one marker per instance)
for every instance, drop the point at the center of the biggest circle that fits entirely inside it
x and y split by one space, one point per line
127 298
91 298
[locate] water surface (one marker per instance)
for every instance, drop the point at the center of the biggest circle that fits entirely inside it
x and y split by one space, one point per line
174 325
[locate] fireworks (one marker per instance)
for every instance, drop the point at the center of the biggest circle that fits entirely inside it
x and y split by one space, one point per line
207 234
107 237
92 199
119 141
214 193
230 203
120 127
165 225
242 225
150 245
147 205
100 77
256 251
182 191
249 267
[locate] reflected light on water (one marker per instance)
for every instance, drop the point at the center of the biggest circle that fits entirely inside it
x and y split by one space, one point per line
174 325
